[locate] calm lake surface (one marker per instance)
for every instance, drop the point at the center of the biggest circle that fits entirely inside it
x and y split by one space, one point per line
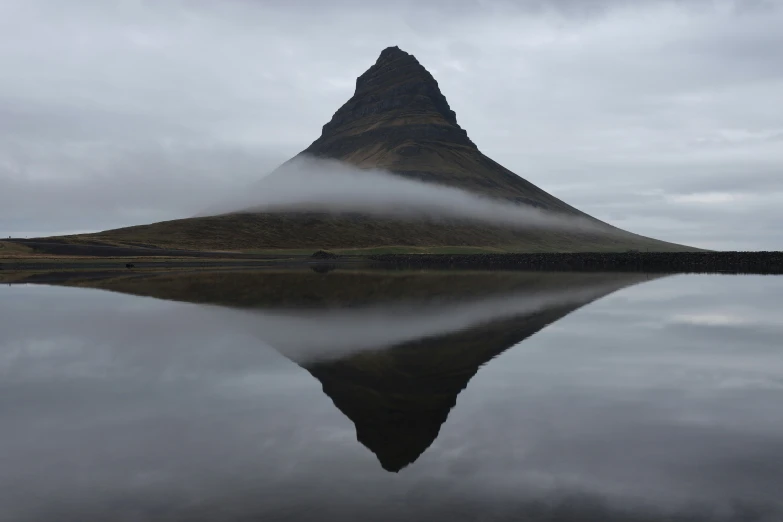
392 396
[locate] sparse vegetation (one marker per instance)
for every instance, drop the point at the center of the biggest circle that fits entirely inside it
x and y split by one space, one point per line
9 249
302 233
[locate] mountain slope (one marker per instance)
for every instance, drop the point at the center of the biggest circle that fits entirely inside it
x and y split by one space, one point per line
399 121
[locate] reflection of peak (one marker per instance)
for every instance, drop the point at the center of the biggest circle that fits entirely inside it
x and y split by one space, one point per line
398 398
393 350
397 427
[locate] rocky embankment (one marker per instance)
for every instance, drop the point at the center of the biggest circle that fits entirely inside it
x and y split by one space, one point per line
659 262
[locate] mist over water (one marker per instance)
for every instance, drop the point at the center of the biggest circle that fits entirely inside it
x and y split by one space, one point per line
658 402
313 184
308 336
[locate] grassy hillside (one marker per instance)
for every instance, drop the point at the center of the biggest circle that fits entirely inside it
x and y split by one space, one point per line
312 231
11 250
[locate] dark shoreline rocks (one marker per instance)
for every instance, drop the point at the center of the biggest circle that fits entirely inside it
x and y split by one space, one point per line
324 254
657 262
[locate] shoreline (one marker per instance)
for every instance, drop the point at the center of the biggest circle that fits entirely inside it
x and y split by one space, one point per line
650 262
82 264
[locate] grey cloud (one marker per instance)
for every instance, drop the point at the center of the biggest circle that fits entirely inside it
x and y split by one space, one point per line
317 184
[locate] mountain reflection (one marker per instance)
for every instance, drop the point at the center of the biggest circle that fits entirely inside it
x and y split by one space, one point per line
392 350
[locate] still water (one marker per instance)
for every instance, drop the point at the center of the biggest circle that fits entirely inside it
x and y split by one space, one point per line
380 396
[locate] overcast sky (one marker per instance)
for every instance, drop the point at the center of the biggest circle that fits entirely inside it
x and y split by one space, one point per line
662 117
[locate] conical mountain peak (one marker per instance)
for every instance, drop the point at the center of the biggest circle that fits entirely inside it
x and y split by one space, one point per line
392 64
397 102
394 53
399 120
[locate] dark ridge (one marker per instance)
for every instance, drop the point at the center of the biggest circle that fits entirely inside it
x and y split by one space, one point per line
392 137
658 262
397 85
394 63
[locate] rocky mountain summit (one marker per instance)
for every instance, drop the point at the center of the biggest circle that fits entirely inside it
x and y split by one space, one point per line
396 100
399 120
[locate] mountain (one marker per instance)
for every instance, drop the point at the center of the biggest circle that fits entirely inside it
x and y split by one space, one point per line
392 350
397 120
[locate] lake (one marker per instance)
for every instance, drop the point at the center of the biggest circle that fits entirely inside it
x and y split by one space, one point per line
370 395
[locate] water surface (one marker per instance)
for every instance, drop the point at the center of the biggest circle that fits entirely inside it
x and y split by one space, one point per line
389 396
